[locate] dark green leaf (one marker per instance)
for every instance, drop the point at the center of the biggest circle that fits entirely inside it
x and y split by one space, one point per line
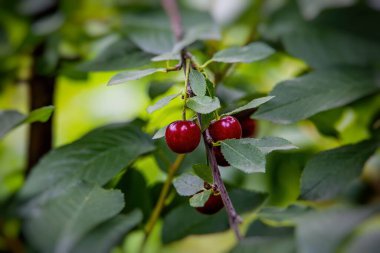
265 245
324 231
199 199
120 54
9 119
259 228
203 104
288 214
167 56
96 157
161 103
187 184
203 171
311 8
316 92
152 40
126 76
269 144
253 104
243 156
329 173
108 234
63 221
197 82
255 51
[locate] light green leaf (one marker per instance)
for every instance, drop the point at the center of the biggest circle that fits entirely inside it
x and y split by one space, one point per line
199 199
160 133
161 103
203 171
187 184
255 51
133 75
9 119
96 157
316 92
329 173
243 156
41 114
108 234
63 221
253 104
269 144
197 82
166 57
203 104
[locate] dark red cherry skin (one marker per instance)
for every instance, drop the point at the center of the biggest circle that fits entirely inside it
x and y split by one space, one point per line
183 136
248 126
212 205
226 128
220 160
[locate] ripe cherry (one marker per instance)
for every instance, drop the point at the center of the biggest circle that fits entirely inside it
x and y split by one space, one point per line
249 127
225 128
212 205
183 136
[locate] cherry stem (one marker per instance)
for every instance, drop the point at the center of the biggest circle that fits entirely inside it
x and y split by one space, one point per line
234 219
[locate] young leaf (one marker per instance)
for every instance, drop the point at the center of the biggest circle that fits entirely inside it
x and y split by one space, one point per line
199 199
160 133
253 104
133 75
316 92
329 173
269 144
255 51
161 103
187 184
41 114
203 104
197 82
203 171
243 156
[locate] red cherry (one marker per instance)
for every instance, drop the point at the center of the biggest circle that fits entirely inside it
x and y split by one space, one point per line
212 205
226 128
249 127
183 136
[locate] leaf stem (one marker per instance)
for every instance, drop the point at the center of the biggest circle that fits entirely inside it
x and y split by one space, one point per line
161 200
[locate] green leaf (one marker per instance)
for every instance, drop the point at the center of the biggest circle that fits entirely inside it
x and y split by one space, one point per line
288 214
63 221
160 133
330 173
9 119
243 156
259 228
264 245
253 104
41 114
166 57
367 241
108 234
187 184
161 103
152 40
197 82
324 231
330 48
255 51
126 76
203 171
199 199
316 92
118 55
203 104
96 157
311 8
269 144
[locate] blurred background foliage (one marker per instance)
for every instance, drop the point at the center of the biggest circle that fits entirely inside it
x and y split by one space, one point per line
85 42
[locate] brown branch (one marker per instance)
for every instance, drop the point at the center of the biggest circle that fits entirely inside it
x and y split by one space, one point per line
172 11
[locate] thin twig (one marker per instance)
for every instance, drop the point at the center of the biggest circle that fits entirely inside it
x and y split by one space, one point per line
172 11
